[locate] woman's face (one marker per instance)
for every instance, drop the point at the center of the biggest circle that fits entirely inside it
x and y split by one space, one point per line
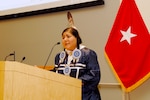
69 41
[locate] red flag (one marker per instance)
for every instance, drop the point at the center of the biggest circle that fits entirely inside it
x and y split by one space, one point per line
128 47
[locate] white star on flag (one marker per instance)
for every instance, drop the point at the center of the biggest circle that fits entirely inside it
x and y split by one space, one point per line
127 35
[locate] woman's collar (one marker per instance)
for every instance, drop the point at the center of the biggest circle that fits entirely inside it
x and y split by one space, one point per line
80 47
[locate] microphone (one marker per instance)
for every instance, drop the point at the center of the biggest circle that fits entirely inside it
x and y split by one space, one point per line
50 53
23 59
10 55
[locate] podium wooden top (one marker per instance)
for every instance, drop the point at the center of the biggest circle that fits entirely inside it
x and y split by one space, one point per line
37 71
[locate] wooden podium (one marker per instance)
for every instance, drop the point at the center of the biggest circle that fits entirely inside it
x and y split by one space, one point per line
20 81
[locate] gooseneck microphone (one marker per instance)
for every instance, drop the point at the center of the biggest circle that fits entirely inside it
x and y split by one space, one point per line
23 59
50 53
11 54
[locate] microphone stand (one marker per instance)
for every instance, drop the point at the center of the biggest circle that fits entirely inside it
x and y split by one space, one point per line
50 54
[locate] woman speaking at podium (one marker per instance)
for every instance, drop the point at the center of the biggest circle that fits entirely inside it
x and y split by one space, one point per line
80 62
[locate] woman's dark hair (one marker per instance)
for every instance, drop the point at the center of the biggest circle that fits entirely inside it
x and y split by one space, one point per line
75 33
